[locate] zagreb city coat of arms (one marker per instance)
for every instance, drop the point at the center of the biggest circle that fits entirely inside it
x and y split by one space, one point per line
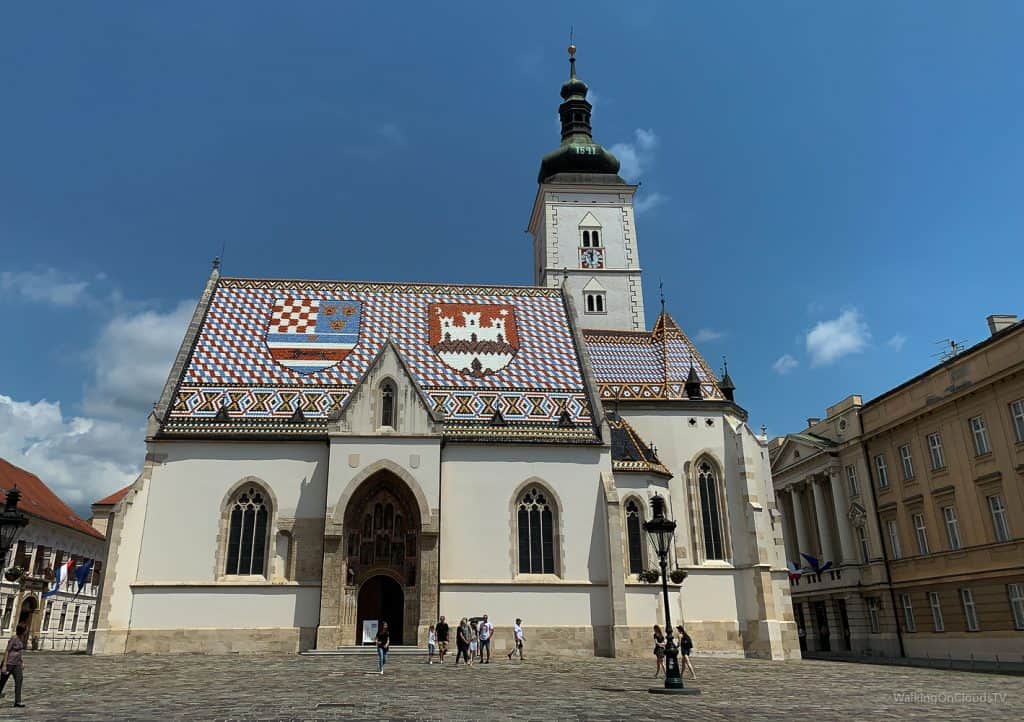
309 334
475 339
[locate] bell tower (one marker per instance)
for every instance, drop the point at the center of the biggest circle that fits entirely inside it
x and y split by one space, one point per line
583 227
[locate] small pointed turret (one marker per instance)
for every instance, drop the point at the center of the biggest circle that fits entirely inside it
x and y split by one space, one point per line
726 385
693 389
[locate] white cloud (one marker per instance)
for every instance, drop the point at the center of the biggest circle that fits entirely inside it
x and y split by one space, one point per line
391 134
896 342
46 285
636 156
784 364
647 202
81 459
709 334
131 359
830 340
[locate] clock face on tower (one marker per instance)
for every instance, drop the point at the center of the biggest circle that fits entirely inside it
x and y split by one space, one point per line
591 258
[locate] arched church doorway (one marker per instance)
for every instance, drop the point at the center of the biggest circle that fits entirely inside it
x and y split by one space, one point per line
381 598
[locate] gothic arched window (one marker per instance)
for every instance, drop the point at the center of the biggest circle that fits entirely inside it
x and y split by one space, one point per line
247 532
387 404
634 537
535 518
710 511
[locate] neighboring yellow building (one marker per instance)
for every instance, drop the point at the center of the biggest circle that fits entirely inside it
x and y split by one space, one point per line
917 499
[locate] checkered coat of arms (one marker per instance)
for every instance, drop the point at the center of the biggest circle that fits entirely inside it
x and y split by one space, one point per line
309 334
475 339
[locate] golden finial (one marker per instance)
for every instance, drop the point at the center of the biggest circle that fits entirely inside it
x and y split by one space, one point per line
572 45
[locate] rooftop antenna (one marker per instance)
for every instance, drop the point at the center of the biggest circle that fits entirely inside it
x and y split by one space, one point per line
951 349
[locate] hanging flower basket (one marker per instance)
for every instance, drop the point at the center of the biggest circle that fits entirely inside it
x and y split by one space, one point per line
677 576
651 576
14 574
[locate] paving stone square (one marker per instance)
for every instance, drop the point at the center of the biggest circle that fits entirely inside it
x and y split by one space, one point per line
290 687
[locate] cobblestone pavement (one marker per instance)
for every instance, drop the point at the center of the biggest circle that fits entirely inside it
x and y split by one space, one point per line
194 687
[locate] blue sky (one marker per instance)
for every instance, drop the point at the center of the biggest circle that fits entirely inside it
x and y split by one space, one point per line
827 189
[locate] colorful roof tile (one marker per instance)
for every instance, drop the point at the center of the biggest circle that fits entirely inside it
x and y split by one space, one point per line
629 453
267 348
37 499
647 365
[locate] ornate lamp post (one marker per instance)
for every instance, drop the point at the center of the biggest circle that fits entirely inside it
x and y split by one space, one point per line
662 531
12 521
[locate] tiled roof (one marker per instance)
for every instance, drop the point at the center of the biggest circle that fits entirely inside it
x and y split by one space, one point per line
267 348
38 500
647 365
629 453
113 498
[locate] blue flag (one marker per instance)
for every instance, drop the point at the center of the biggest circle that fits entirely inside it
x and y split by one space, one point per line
82 575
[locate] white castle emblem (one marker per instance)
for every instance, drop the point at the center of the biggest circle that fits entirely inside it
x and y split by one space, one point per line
474 339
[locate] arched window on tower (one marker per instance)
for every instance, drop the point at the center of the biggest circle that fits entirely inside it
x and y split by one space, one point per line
248 522
387 404
535 519
710 510
634 537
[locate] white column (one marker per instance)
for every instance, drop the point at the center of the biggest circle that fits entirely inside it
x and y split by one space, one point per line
802 535
821 508
847 546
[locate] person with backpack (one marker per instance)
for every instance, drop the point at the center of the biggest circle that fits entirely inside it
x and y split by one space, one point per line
685 648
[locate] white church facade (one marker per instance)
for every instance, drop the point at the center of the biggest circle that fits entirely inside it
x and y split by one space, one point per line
326 453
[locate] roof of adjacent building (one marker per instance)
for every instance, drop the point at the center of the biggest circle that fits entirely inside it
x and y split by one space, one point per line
629 453
113 498
281 356
648 365
38 500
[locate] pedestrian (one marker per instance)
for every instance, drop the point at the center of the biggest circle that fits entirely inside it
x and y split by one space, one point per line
486 630
518 639
11 665
686 647
659 650
462 641
431 644
442 639
383 644
474 638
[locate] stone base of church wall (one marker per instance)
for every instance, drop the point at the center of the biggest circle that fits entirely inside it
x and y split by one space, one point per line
260 640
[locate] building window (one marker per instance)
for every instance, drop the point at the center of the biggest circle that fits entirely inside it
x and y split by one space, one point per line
536 521
8 610
591 238
594 301
88 618
883 472
952 527
980 433
1017 413
873 614
908 613
46 616
74 618
935 451
1016 594
907 462
247 533
970 611
710 511
894 538
935 603
634 537
921 533
865 547
387 404
999 524
851 480
63 616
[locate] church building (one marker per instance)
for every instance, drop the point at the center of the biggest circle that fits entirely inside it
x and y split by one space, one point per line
316 442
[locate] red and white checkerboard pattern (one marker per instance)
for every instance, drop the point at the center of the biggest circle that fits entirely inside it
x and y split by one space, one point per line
294 315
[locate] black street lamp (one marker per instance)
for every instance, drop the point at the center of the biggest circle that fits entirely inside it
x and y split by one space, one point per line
12 521
662 530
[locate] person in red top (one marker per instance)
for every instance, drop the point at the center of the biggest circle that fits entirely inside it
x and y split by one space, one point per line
12 663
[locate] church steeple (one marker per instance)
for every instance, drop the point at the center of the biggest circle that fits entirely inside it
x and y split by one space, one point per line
578 152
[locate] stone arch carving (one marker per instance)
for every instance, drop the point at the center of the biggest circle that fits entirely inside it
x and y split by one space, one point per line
427 522
559 525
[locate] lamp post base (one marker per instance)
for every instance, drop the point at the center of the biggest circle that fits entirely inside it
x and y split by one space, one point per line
673 690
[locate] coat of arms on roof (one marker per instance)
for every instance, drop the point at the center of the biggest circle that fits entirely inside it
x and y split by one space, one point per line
475 339
309 334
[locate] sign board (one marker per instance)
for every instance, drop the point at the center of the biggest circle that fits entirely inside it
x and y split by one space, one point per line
370 630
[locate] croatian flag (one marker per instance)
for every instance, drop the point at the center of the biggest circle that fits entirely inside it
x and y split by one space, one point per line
59 577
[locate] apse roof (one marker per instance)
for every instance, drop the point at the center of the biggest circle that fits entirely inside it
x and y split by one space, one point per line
281 356
647 365
629 453
37 499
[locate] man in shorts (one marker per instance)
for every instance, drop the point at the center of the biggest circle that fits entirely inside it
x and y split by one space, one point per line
442 639
517 634
485 630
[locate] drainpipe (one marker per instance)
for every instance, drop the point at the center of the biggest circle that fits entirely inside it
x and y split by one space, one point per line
885 554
